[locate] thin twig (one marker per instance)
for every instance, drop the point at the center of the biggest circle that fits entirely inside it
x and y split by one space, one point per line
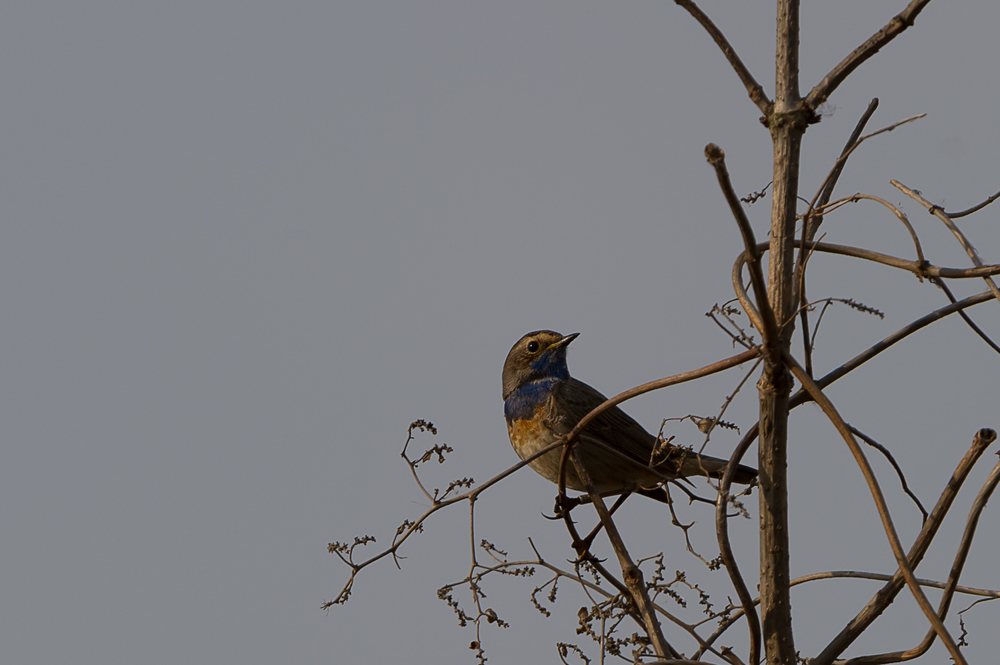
828 303
417 525
825 191
900 215
918 269
975 208
888 128
892 460
674 520
822 197
811 224
940 283
725 405
981 600
741 336
802 396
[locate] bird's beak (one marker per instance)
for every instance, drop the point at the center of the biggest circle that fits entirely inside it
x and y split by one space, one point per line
564 341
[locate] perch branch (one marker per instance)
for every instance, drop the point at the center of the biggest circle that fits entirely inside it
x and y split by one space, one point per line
631 573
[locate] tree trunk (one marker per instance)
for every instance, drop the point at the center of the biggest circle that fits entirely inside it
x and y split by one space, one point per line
787 124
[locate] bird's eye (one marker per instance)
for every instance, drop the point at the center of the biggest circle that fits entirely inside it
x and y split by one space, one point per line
532 346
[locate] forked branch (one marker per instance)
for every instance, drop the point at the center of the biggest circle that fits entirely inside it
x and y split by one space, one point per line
897 549
885 596
956 570
938 212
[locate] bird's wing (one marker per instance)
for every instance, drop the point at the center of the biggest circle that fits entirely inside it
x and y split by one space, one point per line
571 400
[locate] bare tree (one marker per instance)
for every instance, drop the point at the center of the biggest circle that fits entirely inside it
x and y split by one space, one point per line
779 311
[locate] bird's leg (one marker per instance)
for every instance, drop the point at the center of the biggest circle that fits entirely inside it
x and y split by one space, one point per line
584 545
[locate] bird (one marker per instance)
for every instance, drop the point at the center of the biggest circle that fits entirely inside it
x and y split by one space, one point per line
543 403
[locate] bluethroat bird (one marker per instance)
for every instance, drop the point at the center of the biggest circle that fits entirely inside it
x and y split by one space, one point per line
542 402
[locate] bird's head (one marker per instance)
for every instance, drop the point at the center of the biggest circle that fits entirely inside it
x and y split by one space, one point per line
537 355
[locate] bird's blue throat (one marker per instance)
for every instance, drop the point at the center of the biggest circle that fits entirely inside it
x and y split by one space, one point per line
524 402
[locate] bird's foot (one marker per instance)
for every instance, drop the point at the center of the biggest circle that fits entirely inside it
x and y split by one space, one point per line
563 507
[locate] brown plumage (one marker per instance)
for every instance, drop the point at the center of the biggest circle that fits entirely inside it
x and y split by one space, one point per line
543 402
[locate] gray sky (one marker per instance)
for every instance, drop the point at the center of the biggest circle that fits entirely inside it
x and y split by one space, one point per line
244 245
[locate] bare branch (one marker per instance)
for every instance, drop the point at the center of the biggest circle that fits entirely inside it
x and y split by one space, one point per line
975 208
765 322
885 596
872 45
829 302
823 195
411 527
675 521
892 460
825 191
891 127
631 573
956 570
897 549
987 594
726 548
423 426
740 336
725 405
965 317
918 269
811 224
939 213
802 396
900 215
882 577
754 89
